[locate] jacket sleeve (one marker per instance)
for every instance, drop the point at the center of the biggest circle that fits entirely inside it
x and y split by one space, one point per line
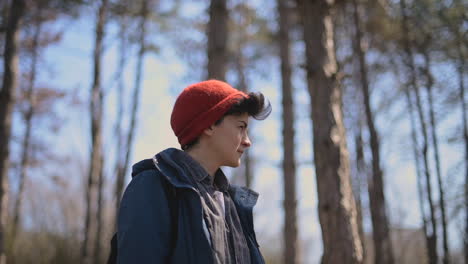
144 224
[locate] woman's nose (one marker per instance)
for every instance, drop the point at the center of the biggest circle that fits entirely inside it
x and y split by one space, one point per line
246 141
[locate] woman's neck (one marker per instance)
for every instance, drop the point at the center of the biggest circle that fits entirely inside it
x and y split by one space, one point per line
205 160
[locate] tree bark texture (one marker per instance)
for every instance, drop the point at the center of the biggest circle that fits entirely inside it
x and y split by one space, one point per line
380 224
7 100
290 233
95 168
217 39
337 207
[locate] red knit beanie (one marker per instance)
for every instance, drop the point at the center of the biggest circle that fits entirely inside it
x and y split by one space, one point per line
199 106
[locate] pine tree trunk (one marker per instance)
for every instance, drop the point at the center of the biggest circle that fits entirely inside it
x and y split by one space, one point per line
409 62
4 9
361 173
99 213
290 245
242 85
337 207
25 148
380 226
144 14
240 62
217 40
95 168
435 143
120 174
460 42
465 139
429 239
7 93
414 146
461 85
418 170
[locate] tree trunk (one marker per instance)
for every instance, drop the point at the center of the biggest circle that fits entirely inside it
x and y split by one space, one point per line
248 169
242 85
380 225
9 86
4 9
435 143
120 174
239 60
290 235
409 61
99 213
144 14
460 43
28 116
418 173
337 208
427 174
217 40
95 168
461 85
414 144
361 172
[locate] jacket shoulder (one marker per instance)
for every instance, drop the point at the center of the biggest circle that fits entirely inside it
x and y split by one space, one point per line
144 220
145 181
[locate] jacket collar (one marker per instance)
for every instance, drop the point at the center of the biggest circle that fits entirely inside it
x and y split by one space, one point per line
243 196
198 173
167 162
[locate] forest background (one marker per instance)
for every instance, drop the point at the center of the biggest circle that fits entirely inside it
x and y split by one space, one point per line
367 142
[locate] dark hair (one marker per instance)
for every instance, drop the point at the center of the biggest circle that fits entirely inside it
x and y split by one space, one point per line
255 106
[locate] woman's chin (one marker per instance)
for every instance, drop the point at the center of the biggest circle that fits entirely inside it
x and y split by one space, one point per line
234 164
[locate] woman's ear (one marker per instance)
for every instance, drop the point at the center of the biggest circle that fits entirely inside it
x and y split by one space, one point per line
209 131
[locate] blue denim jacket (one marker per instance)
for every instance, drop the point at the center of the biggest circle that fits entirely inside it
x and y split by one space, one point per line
160 216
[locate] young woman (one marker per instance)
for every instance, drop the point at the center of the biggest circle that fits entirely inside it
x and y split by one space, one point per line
179 206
